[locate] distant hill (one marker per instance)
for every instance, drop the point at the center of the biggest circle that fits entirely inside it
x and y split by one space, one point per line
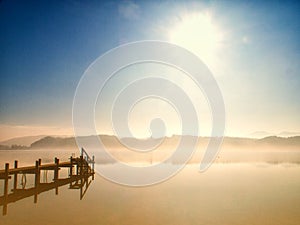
228 142
274 140
263 134
54 142
48 142
70 142
271 142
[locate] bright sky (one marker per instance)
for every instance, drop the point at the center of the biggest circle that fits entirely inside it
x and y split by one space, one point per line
252 48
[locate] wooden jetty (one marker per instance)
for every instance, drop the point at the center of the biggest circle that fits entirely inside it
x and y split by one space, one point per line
80 169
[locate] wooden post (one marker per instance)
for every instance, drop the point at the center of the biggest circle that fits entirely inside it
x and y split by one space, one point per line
6 188
93 163
56 173
71 166
93 167
77 166
81 164
56 160
40 161
16 176
37 179
71 170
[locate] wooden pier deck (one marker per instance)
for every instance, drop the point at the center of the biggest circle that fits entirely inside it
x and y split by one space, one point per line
80 169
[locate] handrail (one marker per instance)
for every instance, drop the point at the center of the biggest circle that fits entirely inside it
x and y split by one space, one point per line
87 158
85 155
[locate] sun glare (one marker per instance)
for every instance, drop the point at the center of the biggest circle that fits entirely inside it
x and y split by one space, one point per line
197 33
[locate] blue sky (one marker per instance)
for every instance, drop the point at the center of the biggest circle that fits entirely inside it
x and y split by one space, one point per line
45 47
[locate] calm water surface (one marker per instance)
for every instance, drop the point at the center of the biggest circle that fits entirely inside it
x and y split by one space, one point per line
233 193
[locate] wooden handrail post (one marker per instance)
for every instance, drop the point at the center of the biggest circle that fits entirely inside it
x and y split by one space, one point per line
93 163
37 179
81 164
71 166
16 176
56 160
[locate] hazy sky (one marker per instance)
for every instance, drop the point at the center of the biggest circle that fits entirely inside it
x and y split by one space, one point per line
252 48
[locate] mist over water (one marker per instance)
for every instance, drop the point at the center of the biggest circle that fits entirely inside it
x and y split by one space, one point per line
269 155
240 192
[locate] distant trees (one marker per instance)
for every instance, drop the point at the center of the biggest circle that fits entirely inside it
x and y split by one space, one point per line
13 147
4 147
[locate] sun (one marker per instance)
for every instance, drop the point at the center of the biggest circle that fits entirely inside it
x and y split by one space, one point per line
197 33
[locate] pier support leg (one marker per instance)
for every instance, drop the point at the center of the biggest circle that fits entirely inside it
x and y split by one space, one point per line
5 189
81 188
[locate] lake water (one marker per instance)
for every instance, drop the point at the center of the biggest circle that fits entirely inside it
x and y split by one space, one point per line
227 193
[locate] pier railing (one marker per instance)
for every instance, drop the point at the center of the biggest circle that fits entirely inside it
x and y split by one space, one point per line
90 160
80 169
